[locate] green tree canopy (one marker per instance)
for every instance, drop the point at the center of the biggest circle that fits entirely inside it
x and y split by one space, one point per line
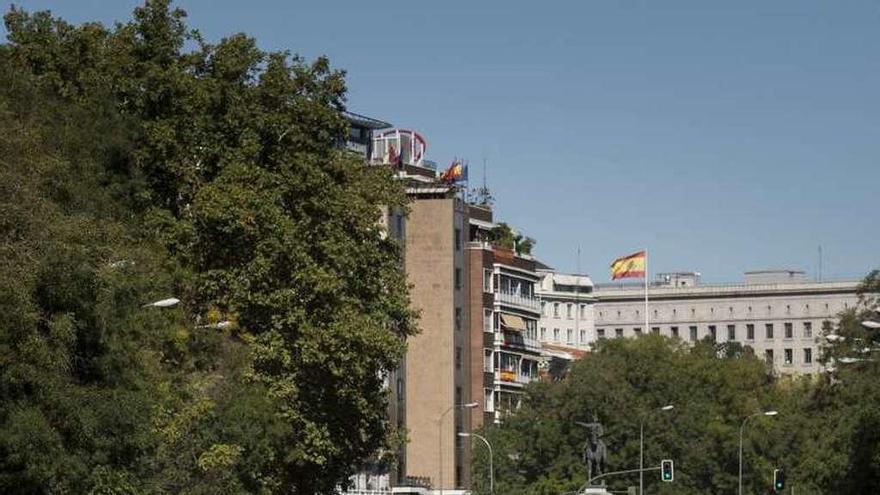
141 162
504 236
622 382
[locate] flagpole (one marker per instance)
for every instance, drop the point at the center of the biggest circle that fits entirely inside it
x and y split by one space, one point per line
647 330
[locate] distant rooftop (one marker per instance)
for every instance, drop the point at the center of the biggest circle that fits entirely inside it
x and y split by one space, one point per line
542 267
364 121
775 276
752 278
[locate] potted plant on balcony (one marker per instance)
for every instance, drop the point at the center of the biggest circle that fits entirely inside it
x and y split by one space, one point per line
504 238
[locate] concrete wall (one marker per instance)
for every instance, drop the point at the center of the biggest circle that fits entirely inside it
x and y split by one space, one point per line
431 372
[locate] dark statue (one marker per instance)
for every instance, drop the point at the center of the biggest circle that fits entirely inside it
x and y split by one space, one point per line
595 452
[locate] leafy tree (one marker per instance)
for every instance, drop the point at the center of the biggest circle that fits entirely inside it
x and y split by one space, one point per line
621 383
843 451
134 169
504 236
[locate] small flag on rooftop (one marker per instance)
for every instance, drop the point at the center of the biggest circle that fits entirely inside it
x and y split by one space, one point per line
455 173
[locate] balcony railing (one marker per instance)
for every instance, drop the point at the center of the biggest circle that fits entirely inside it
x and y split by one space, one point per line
525 302
533 345
365 492
507 376
517 341
513 377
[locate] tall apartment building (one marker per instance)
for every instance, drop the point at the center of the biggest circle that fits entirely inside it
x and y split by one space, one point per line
438 358
437 367
780 314
478 318
478 341
504 316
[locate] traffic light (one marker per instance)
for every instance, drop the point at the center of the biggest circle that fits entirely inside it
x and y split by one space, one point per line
666 470
778 480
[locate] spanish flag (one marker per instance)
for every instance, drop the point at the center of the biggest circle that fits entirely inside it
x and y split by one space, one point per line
455 173
632 266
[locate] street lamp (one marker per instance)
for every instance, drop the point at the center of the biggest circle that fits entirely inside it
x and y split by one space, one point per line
164 303
741 428
491 467
469 405
850 360
220 325
642 444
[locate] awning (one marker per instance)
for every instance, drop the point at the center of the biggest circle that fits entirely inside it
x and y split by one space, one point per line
512 322
481 223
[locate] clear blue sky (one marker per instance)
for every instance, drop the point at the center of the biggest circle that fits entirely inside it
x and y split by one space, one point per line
724 136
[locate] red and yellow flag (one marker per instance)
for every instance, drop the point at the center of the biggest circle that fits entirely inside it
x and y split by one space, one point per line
455 172
632 266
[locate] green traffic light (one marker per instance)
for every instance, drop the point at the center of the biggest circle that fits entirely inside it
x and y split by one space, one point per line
778 480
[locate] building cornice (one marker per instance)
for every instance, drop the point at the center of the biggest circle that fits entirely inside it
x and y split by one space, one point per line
567 296
606 295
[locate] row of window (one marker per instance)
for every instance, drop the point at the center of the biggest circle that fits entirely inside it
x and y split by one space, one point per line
569 310
788 331
730 310
788 356
569 336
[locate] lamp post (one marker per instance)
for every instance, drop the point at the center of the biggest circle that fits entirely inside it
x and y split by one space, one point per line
164 303
642 444
469 405
741 428
491 466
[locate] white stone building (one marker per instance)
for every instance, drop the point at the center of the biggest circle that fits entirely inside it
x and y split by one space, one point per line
780 314
566 328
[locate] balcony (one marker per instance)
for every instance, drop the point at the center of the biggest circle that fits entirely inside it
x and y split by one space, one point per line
506 376
523 302
533 345
517 340
513 378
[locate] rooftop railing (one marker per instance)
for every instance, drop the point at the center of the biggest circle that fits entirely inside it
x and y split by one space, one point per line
527 302
658 288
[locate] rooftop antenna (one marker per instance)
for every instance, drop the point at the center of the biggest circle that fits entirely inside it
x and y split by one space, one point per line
820 262
482 195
